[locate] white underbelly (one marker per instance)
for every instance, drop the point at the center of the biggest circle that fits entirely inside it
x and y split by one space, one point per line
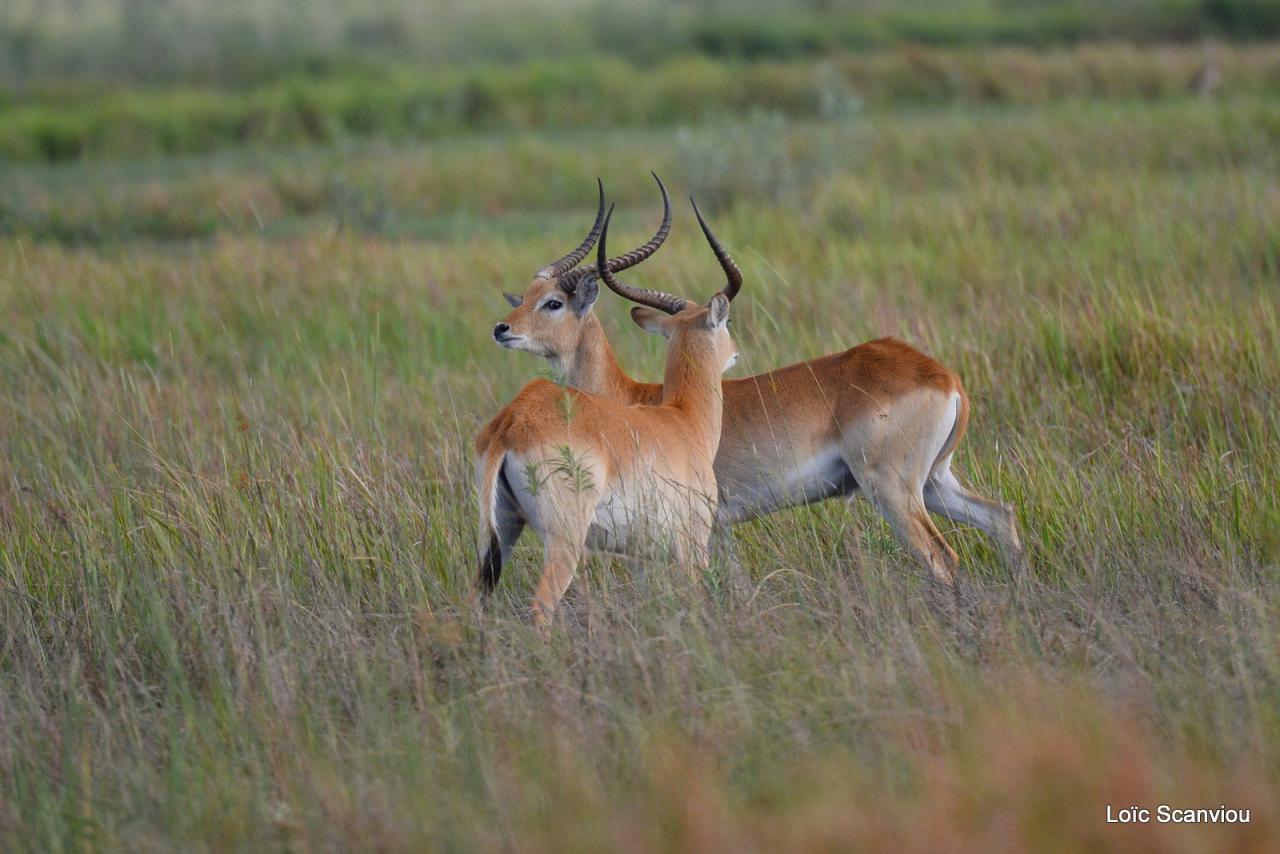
773 484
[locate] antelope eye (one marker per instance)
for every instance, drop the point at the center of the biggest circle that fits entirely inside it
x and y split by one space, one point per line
553 305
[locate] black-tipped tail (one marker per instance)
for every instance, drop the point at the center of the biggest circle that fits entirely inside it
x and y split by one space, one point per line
490 567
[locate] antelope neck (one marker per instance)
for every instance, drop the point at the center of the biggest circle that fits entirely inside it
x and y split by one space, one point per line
593 367
691 381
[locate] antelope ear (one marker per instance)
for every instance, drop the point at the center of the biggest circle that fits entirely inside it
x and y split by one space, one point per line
717 311
652 320
584 296
513 300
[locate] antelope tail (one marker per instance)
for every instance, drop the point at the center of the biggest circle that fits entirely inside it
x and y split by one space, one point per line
942 461
488 470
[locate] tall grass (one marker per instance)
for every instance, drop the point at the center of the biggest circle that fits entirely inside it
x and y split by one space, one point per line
237 538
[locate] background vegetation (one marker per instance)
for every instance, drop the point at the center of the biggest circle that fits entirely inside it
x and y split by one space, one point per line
239 373
236 42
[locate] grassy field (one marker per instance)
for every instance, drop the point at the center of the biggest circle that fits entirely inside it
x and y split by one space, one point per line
237 393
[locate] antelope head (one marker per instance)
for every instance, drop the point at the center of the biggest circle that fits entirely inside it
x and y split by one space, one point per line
549 317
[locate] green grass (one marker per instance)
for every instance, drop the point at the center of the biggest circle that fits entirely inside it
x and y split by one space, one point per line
237 534
411 103
246 42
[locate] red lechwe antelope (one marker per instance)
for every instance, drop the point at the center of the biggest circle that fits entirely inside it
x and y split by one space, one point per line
591 471
881 419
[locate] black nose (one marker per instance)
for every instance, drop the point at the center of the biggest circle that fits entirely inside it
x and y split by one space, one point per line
500 330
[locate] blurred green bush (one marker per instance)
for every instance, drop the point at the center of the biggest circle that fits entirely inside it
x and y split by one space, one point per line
409 103
244 42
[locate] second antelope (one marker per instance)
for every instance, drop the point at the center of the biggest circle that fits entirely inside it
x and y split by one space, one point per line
585 470
880 420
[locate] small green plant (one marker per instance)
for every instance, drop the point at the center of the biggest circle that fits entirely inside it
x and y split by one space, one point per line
566 466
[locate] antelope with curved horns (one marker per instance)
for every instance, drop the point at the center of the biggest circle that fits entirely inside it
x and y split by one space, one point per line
585 470
559 285
880 420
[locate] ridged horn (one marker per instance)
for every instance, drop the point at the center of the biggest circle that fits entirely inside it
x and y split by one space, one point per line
558 268
635 256
669 303
733 275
